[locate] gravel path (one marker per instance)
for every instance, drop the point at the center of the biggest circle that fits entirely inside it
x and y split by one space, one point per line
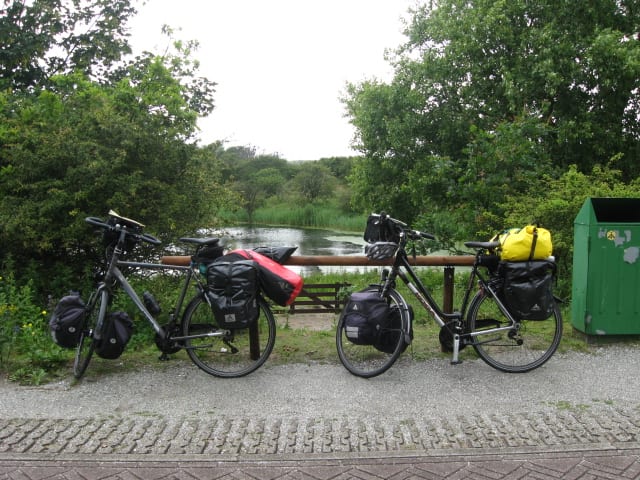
575 401
606 376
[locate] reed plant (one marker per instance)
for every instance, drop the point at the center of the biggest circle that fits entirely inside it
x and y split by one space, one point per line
320 215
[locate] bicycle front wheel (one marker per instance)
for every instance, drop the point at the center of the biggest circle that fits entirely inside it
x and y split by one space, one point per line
223 352
514 350
94 320
371 360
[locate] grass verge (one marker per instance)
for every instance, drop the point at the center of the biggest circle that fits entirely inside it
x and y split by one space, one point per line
34 359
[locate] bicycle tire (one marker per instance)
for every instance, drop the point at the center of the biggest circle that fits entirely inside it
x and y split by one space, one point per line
235 354
366 360
94 320
509 351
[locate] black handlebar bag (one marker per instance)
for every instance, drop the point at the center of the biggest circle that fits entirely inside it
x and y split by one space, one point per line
378 230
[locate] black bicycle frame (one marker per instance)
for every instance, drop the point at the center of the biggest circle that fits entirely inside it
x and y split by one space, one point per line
113 272
402 268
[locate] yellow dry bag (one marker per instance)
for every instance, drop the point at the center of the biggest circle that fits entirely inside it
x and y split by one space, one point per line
528 243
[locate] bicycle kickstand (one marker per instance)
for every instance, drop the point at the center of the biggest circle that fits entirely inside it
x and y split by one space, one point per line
456 350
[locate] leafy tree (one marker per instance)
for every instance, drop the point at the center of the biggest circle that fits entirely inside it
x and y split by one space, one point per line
43 38
79 149
313 182
253 177
256 186
489 95
340 167
72 146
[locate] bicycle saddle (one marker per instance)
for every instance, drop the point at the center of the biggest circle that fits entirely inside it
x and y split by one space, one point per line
201 241
486 245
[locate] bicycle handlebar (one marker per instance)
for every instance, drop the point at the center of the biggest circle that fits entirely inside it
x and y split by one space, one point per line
97 222
411 234
416 235
145 237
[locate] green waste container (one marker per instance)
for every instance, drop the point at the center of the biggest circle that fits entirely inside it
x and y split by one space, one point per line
606 267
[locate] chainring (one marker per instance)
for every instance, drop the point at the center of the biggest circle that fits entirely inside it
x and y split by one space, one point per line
446 337
165 345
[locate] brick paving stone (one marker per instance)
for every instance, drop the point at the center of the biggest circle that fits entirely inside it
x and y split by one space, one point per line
613 463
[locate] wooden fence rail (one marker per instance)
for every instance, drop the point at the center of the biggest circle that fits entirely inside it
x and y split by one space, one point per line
448 262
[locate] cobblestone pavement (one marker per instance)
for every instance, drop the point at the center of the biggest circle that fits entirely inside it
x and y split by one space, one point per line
572 444
202 435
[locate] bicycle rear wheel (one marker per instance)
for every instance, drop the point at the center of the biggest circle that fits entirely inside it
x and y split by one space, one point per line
94 320
366 360
512 351
223 352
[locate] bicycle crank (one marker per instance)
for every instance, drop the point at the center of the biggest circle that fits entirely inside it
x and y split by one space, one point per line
446 336
165 344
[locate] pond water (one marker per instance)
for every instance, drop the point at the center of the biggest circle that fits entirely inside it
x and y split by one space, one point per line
309 242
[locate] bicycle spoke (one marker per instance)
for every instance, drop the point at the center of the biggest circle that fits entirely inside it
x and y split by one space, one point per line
95 315
230 353
510 350
368 360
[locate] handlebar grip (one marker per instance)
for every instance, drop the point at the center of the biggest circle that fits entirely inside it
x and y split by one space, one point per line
417 234
97 222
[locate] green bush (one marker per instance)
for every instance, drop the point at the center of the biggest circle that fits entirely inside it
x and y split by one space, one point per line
554 204
26 348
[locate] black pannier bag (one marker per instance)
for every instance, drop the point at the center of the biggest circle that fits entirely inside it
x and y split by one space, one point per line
233 288
276 281
528 289
366 314
117 331
65 323
277 254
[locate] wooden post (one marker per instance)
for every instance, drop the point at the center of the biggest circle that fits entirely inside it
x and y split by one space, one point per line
254 340
447 294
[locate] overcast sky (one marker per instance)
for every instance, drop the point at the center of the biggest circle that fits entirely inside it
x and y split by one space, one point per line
280 65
